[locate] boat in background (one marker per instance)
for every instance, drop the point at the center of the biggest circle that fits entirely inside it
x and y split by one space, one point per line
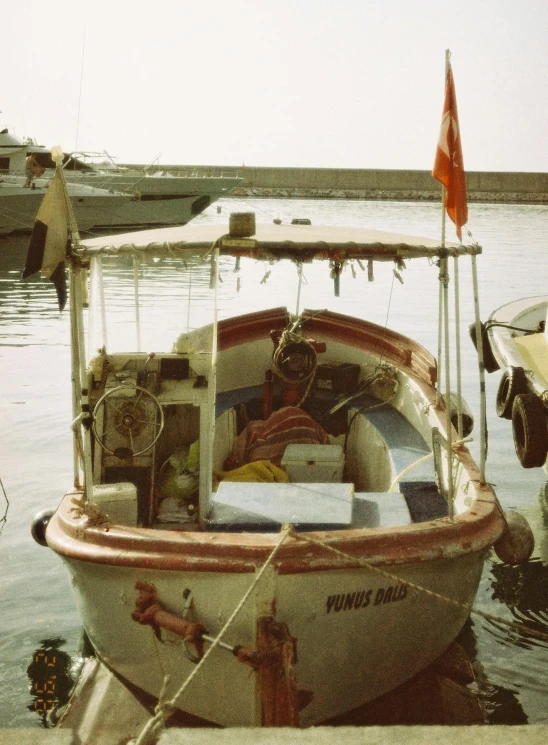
517 341
267 515
91 205
123 198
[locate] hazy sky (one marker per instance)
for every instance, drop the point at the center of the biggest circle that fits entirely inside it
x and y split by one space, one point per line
344 83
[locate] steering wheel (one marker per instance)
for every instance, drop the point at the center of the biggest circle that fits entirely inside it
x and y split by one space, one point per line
295 359
130 419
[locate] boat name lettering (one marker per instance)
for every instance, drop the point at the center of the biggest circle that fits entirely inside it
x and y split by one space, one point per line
364 598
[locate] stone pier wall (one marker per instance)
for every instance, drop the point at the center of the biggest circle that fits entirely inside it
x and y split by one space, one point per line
392 184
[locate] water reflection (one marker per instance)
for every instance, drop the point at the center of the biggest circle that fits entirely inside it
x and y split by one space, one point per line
50 679
524 590
500 704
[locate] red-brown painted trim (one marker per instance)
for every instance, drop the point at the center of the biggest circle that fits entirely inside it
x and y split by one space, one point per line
77 538
379 341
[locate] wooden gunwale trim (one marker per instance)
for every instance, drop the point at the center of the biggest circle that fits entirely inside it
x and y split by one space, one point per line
381 342
385 343
74 538
250 327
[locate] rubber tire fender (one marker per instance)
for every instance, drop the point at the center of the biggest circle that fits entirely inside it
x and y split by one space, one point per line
489 361
512 383
530 430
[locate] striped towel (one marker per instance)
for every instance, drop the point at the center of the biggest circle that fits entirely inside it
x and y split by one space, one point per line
267 440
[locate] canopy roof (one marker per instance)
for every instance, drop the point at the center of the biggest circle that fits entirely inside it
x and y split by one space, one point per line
272 242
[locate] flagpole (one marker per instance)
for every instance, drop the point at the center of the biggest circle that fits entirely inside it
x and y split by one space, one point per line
444 331
449 170
443 189
440 299
57 155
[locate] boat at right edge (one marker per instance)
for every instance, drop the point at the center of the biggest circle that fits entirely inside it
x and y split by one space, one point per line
517 343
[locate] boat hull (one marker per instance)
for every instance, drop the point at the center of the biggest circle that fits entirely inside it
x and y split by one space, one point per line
518 339
98 209
526 313
355 630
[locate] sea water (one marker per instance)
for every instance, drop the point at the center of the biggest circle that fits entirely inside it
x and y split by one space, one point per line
39 626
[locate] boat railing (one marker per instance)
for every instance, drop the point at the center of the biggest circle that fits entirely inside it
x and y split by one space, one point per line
6 173
101 161
186 172
15 178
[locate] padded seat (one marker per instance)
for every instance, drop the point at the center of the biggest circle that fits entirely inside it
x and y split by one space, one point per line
264 507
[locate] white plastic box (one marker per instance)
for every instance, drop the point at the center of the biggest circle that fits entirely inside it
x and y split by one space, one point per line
319 464
117 501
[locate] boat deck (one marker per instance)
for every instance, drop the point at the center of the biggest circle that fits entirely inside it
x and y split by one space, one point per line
251 506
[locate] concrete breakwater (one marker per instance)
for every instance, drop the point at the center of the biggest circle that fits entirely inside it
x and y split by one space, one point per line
361 183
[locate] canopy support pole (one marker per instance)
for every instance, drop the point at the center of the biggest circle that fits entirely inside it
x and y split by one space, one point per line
479 342
136 294
444 279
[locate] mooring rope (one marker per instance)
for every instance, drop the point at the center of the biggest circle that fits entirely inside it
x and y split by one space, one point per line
164 709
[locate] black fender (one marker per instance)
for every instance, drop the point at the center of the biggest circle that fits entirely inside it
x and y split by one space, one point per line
39 525
530 430
489 361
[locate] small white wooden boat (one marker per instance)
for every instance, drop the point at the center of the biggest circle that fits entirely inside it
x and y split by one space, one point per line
278 519
518 342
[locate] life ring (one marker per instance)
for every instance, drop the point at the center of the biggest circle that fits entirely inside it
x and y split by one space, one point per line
489 361
512 383
530 430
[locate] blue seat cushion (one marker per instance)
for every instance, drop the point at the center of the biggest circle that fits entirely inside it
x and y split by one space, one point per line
424 500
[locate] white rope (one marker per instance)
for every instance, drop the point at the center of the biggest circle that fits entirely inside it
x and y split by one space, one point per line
424 459
457 346
299 286
518 627
164 709
418 462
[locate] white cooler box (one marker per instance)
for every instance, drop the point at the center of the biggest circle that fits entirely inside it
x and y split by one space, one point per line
117 501
319 464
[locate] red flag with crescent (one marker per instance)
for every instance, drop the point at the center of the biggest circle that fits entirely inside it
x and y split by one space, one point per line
449 165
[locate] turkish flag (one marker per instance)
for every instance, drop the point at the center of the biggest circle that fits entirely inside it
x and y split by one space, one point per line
449 166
